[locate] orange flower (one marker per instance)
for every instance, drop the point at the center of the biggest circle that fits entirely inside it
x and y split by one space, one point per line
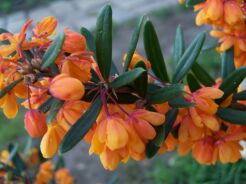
77 68
51 140
35 123
45 173
205 109
62 176
38 94
66 88
17 42
74 42
45 28
33 157
142 121
136 58
70 112
9 102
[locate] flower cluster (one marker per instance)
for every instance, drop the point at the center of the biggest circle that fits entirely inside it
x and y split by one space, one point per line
73 91
227 19
33 169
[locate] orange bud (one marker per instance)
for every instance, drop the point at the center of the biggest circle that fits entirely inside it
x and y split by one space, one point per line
74 42
35 123
66 88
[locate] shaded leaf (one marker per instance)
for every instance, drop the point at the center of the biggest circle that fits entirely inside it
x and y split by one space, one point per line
202 75
90 41
104 41
240 96
81 127
9 87
53 51
154 52
162 132
140 84
231 82
126 78
165 94
232 115
133 43
227 65
179 45
189 57
193 2
180 102
193 83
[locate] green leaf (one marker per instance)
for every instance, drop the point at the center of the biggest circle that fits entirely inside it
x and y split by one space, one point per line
133 43
231 82
19 164
180 102
90 41
165 94
140 84
212 43
104 41
240 96
9 87
81 127
162 132
228 65
165 129
60 163
53 51
126 78
3 31
232 115
55 107
151 149
189 57
28 146
179 45
193 83
202 75
45 107
193 2
154 52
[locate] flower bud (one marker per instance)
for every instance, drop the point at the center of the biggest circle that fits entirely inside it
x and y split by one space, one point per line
35 123
66 88
74 42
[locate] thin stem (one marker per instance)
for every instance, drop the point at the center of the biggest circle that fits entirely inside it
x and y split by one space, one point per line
102 93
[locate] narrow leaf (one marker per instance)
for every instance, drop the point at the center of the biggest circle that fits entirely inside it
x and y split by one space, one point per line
202 75
179 45
232 115
189 57
126 78
154 52
240 96
53 51
9 87
45 107
165 129
180 102
165 94
104 41
228 65
193 83
133 43
231 82
141 82
90 41
55 107
81 127
193 2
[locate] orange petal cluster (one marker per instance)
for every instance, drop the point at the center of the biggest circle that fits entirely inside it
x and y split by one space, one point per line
227 19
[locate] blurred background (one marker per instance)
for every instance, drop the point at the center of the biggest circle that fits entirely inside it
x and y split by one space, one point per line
166 15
